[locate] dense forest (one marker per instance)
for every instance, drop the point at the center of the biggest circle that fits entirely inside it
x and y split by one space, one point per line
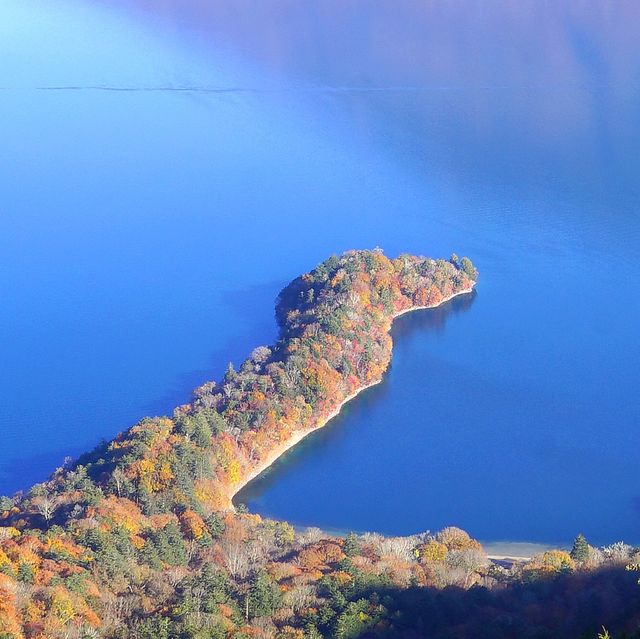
139 538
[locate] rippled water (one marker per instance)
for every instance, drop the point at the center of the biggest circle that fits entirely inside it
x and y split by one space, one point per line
167 167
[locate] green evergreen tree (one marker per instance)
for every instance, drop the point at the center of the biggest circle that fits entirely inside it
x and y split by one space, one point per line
156 627
202 432
311 632
263 597
216 586
230 374
25 572
351 547
467 266
580 550
215 525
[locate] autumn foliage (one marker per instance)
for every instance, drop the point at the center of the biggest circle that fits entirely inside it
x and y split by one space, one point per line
139 538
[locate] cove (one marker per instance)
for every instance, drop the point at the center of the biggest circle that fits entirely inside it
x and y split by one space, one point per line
434 444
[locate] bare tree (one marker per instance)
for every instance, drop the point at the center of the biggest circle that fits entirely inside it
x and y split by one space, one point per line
300 596
617 553
235 554
292 374
398 547
46 505
260 355
191 549
311 535
466 562
119 478
207 388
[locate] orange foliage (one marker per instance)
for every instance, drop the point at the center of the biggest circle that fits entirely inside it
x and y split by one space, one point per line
192 524
118 511
334 324
9 616
320 555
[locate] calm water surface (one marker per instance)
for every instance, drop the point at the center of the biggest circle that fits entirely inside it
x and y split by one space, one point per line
167 167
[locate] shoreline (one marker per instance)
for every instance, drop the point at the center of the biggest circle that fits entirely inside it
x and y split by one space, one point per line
496 550
297 436
444 300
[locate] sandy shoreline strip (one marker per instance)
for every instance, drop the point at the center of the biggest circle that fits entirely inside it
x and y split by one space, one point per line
299 435
295 437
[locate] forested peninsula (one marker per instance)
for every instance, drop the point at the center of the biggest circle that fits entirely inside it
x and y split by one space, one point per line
139 538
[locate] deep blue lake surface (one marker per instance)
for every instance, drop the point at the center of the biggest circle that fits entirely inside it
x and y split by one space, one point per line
165 168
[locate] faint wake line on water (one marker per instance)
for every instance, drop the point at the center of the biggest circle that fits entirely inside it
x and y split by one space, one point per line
146 89
222 90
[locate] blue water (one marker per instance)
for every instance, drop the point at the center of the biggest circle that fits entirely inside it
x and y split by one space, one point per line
164 171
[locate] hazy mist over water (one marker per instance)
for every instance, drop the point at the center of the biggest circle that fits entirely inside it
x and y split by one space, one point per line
167 167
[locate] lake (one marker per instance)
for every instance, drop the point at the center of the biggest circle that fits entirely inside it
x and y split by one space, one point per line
167 167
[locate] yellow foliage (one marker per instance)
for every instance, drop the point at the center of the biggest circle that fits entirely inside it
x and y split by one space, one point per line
341 577
233 471
64 546
226 451
34 611
8 532
457 539
61 606
24 554
122 512
432 551
142 470
210 495
204 491
553 561
289 632
163 477
137 541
